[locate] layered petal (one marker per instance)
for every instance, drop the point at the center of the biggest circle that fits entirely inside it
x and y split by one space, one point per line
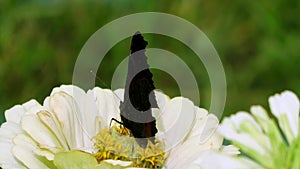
108 104
9 130
259 137
66 110
177 118
34 135
285 107
244 130
205 125
27 152
201 138
214 160
15 113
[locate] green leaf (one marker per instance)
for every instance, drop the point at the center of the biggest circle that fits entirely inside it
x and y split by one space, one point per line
75 160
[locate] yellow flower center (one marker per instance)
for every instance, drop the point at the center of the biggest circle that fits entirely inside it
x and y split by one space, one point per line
117 143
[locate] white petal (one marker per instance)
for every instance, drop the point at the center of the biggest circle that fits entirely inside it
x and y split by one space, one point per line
120 94
192 166
178 117
39 132
242 117
230 129
161 99
14 114
75 92
8 131
214 160
12 166
79 109
200 121
260 112
190 152
46 104
84 119
286 103
108 105
34 110
71 90
159 122
28 105
25 145
27 157
205 126
210 128
25 141
7 159
66 110
52 124
185 154
230 150
215 141
119 162
89 121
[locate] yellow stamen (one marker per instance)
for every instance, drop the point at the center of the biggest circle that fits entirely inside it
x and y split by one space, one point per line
117 143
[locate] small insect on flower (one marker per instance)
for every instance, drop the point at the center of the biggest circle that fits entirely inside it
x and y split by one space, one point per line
72 128
139 96
117 143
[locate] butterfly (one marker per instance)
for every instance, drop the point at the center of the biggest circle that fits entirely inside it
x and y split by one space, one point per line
139 96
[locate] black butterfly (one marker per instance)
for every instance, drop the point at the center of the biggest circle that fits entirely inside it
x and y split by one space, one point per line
139 96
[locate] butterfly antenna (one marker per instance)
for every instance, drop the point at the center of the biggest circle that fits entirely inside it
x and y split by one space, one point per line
101 81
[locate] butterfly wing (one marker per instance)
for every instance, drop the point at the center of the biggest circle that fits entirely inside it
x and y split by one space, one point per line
139 97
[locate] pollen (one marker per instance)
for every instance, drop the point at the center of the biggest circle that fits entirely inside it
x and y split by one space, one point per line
117 143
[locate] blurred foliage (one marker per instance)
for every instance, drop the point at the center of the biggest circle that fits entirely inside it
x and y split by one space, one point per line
258 42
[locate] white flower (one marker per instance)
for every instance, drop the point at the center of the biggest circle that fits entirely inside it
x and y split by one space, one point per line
40 136
68 119
188 132
286 109
258 136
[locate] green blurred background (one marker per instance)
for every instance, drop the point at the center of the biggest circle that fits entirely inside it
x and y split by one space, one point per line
258 43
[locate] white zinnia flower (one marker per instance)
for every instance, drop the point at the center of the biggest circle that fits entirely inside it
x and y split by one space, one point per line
259 138
40 136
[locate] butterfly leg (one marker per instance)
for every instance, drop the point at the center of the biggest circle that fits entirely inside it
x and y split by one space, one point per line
113 119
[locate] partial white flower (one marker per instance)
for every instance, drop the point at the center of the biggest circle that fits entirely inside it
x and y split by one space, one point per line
217 160
8 132
258 136
67 120
285 108
187 131
35 135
